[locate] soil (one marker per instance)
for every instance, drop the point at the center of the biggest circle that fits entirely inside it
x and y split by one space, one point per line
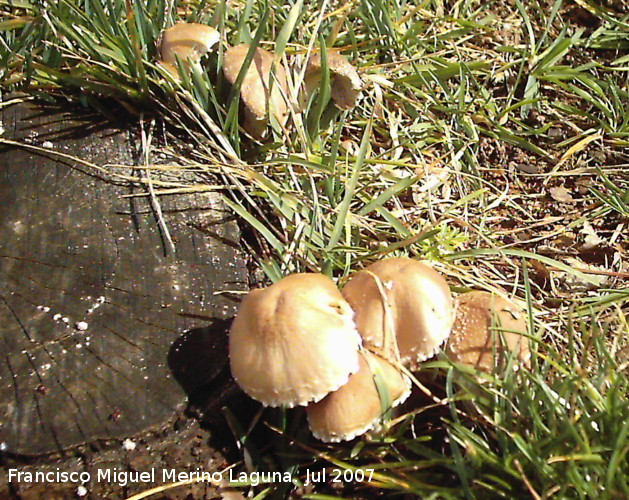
181 446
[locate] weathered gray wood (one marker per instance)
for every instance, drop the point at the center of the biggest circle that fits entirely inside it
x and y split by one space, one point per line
90 302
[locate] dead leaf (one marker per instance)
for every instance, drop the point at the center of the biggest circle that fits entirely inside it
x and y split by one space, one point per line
561 194
540 274
591 238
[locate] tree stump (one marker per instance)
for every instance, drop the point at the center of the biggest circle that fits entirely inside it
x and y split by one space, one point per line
91 298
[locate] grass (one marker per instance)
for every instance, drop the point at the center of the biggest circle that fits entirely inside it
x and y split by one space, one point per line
472 115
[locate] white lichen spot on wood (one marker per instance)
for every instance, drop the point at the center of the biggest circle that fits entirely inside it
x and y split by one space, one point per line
129 444
81 326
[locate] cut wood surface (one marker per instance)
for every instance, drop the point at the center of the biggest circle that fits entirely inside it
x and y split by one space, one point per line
91 299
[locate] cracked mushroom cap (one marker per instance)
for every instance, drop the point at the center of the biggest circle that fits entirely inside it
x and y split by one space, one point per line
483 321
357 406
345 83
419 304
188 41
293 342
258 101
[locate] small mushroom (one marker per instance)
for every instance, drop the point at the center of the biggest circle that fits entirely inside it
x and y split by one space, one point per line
404 302
294 342
187 41
359 406
345 83
486 324
260 92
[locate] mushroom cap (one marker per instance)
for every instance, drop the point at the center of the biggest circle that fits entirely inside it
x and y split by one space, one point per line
421 308
293 342
188 41
483 321
345 83
254 90
356 407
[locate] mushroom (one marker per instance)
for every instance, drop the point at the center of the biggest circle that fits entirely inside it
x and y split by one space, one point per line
260 92
487 324
345 83
187 41
293 342
359 405
400 303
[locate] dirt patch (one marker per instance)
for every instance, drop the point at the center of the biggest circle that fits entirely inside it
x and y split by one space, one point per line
112 469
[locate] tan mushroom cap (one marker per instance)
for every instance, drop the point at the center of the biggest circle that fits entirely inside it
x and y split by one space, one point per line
293 342
345 83
188 41
356 407
420 306
483 320
254 90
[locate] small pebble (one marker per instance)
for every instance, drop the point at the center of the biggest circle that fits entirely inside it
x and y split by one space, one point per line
526 168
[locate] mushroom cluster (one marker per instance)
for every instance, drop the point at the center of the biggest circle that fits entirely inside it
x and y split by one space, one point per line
346 355
295 343
264 90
